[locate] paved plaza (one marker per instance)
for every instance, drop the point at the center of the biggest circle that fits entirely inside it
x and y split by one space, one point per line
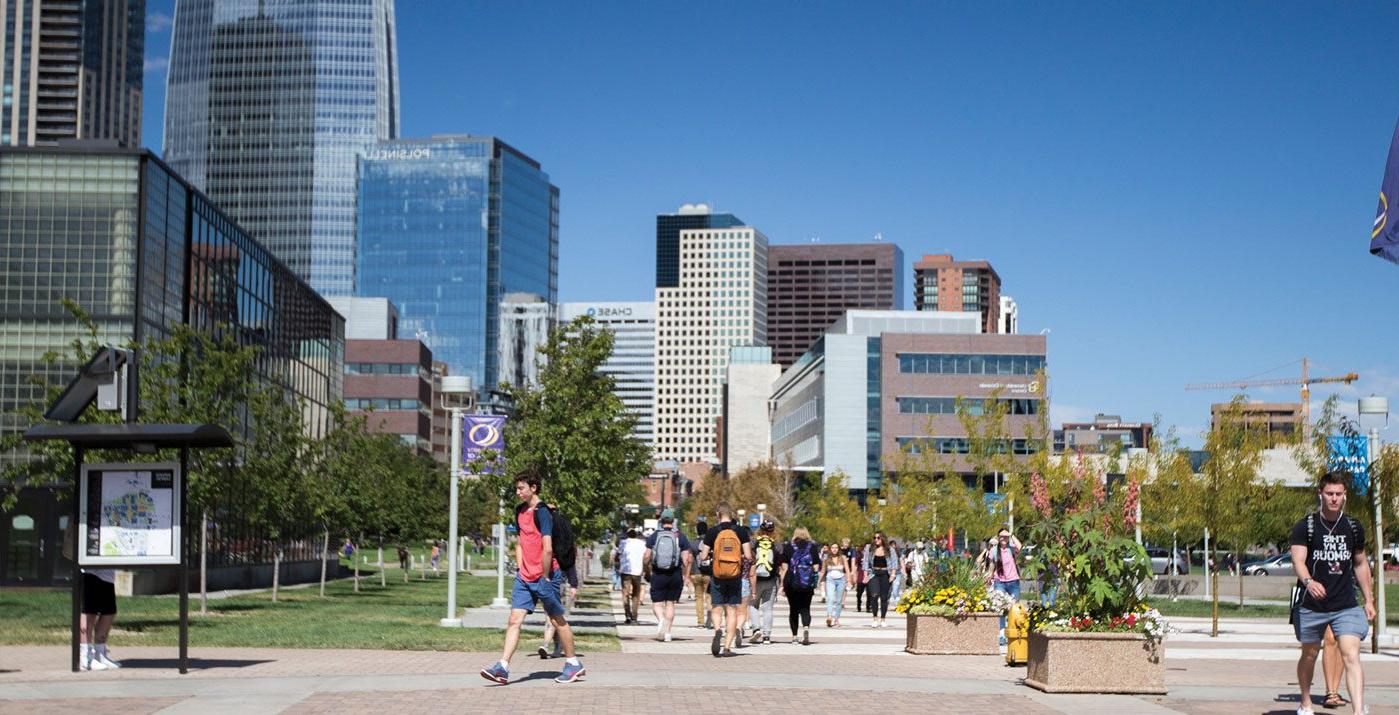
1249 669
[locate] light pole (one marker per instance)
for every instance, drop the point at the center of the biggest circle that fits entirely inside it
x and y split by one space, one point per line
1376 410
453 385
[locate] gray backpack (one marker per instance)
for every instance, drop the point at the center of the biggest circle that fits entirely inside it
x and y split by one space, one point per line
666 555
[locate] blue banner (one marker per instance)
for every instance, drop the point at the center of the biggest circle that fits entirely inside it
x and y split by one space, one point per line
1351 454
1384 239
480 433
753 522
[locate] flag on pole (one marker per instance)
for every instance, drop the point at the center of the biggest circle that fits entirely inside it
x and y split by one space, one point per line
1384 239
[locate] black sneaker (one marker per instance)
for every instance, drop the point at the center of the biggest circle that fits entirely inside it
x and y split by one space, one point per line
716 643
728 654
757 637
543 653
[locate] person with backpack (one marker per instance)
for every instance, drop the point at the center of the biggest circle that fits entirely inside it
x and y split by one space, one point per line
766 559
539 579
668 553
726 546
800 574
1328 555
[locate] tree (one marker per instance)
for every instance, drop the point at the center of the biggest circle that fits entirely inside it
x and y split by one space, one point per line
830 514
575 431
281 499
1227 489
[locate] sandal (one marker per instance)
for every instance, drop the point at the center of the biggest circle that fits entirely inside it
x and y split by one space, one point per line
1334 700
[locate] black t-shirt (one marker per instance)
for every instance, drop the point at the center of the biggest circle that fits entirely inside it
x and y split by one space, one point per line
1330 559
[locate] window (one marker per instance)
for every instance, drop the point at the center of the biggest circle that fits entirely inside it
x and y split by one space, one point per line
974 406
950 364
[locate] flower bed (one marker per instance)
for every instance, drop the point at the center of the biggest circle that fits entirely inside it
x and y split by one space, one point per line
951 612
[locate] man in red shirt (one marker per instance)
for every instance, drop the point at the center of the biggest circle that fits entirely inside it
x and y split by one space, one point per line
533 584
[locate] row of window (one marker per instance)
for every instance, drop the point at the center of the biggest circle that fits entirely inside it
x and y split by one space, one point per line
962 445
951 364
974 406
376 403
382 368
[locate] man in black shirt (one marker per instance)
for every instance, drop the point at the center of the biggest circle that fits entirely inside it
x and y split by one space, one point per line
1328 554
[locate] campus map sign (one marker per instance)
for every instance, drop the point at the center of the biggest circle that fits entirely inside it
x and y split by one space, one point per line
129 514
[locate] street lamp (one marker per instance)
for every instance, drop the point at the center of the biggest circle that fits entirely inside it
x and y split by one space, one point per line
454 386
1375 411
762 512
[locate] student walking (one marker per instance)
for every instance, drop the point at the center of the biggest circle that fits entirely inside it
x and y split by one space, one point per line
552 645
862 576
633 570
801 573
1005 575
1328 555
767 557
538 578
835 566
436 557
725 547
882 559
699 579
668 553
896 574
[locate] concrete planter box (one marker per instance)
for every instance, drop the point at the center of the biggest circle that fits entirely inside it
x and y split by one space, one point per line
1128 663
972 634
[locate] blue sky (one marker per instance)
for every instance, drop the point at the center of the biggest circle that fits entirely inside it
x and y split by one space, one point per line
1177 192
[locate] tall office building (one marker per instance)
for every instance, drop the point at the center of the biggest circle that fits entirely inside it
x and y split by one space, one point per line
811 285
268 104
1010 316
71 70
526 320
941 283
632 365
720 302
668 228
447 227
747 430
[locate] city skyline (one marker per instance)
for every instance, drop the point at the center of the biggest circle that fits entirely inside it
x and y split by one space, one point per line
1143 206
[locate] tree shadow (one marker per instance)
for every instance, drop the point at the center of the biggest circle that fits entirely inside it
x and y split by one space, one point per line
194 663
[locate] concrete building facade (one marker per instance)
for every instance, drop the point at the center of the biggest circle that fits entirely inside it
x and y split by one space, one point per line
811 285
941 283
526 320
1009 317
390 383
747 437
1101 435
720 302
632 365
367 318
668 228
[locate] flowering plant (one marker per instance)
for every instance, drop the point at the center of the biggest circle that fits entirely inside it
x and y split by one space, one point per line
952 587
1086 557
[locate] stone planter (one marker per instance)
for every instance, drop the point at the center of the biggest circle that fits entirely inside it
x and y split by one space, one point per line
972 634
1128 663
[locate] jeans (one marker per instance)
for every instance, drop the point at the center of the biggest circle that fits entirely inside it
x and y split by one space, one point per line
616 581
897 586
1012 588
800 603
762 604
879 594
835 595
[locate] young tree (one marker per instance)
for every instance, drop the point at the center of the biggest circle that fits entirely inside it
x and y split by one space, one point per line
830 514
281 498
575 431
1227 489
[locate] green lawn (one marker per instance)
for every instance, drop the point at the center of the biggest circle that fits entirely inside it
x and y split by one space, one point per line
401 616
1229 608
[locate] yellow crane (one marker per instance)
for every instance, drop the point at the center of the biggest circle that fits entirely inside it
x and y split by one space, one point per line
1306 381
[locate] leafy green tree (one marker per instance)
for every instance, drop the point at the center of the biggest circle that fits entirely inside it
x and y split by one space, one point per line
574 430
1228 489
830 514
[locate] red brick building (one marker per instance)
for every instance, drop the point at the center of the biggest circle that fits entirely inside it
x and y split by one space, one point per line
811 285
391 382
940 283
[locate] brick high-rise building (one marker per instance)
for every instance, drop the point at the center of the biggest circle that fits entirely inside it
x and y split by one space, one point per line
941 283
811 285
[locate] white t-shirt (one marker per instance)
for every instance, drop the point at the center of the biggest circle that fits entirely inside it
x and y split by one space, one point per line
633 556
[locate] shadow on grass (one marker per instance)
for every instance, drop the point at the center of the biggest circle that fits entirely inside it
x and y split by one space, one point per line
194 663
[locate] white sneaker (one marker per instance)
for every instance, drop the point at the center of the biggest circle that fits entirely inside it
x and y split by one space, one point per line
1305 711
667 638
106 659
89 659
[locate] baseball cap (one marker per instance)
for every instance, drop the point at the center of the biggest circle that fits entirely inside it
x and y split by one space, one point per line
767 525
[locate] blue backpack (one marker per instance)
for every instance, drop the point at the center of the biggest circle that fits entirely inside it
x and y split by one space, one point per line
801 568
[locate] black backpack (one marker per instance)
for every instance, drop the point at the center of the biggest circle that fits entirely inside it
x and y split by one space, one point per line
564 548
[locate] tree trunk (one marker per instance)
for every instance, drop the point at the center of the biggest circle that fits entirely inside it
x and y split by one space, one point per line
276 572
383 573
325 552
408 566
1239 564
1214 593
356 563
204 563
381 556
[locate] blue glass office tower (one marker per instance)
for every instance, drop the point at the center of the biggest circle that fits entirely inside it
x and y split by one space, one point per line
268 104
449 225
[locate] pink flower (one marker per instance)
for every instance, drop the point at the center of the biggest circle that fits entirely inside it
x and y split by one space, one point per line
1039 494
1129 505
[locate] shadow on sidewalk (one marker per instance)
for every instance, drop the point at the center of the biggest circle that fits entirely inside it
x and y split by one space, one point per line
194 663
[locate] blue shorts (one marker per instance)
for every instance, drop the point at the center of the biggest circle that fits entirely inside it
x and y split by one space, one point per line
1311 625
525 594
726 592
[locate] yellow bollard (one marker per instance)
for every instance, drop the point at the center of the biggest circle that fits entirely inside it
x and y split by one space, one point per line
1017 634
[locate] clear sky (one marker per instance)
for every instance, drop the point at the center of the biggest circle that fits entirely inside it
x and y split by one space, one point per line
1178 192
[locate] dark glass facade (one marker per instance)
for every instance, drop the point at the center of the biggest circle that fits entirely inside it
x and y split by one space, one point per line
668 228
119 233
447 227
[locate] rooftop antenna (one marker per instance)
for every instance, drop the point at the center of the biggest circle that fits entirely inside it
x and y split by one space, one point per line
878 236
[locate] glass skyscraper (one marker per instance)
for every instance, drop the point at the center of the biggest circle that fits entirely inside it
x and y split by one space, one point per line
267 106
447 227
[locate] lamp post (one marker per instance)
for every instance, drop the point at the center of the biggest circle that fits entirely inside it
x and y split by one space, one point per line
1375 410
453 385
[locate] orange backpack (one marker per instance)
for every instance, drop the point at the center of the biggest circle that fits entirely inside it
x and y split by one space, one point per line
728 555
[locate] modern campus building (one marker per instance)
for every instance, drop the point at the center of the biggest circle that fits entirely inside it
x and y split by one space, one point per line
267 106
632 365
1010 316
811 285
71 70
447 227
390 383
526 320
746 432
940 283
1276 422
719 303
1102 435
668 228
880 383
367 318
138 249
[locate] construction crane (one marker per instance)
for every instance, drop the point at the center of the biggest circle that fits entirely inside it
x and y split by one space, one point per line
1305 381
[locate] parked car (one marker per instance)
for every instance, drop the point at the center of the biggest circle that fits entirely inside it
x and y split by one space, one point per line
1161 561
1280 565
